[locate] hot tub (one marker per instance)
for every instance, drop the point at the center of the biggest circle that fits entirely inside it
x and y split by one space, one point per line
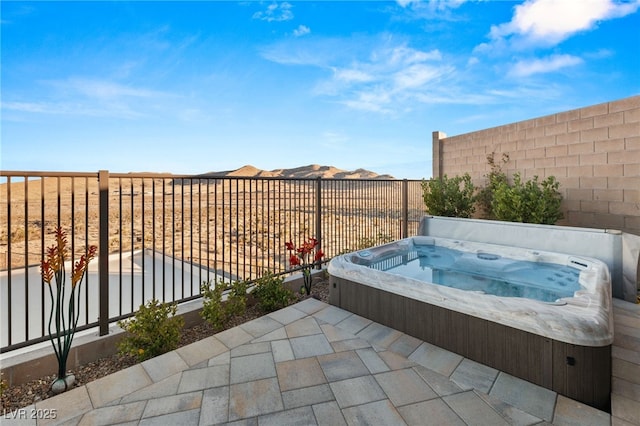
542 316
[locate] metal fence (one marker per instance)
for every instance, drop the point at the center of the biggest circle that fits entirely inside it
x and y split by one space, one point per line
161 235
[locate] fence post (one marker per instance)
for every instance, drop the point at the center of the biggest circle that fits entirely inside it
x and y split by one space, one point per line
319 213
405 208
103 259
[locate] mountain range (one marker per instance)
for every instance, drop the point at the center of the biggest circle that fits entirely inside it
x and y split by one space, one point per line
304 172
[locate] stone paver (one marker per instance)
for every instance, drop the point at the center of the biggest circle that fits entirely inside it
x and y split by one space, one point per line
67 405
510 413
164 365
250 349
303 327
471 375
306 396
306 346
166 387
202 350
203 378
379 334
354 324
572 413
372 360
331 315
310 305
433 412
299 373
356 391
342 365
282 350
254 398
277 334
117 385
336 334
252 367
439 383
234 337
181 418
405 345
404 387
316 364
297 417
349 345
287 315
625 408
117 414
524 395
215 406
328 414
260 326
374 413
172 404
473 410
436 359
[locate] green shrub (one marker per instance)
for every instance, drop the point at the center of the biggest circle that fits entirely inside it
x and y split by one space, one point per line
495 177
216 312
452 197
237 299
530 202
270 294
212 310
3 385
154 330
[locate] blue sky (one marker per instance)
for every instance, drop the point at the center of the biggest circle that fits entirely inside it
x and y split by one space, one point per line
192 87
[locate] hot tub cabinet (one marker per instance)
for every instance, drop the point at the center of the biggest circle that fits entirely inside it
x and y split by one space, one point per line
565 347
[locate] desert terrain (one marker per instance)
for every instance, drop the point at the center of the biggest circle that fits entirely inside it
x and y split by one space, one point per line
236 221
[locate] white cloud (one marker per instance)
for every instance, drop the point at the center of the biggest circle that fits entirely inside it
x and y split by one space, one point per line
352 75
387 79
549 22
544 65
90 97
433 5
275 12
301 30
102 89
416 76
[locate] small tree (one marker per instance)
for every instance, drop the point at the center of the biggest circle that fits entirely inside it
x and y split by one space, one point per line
452 197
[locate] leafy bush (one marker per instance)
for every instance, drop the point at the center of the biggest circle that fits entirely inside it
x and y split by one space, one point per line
154 330
236 299
3 385
451 197
530 202
270 294
214 310
495 177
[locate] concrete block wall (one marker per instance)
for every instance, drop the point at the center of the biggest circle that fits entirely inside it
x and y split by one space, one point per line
594 152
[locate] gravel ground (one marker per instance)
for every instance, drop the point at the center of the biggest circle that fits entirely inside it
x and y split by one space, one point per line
36 390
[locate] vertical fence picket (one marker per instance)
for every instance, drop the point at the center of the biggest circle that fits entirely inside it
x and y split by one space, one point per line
240 234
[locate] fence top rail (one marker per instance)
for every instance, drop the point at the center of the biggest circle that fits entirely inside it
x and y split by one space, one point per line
152 175
22 174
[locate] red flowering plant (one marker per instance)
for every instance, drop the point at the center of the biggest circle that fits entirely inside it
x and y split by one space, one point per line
64 319
305 257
